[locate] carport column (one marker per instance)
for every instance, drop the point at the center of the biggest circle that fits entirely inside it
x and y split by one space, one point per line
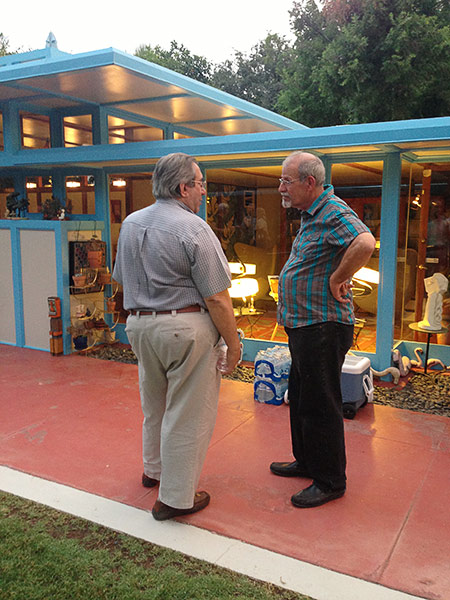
102 209
11 127
59 185
56 129
390 204
99 126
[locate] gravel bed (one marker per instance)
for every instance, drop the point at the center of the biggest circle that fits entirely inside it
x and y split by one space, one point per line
428 393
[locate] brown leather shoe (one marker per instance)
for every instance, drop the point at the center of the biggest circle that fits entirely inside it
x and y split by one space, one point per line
148 481
162 512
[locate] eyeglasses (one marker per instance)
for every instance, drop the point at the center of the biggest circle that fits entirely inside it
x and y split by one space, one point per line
289 181
200 181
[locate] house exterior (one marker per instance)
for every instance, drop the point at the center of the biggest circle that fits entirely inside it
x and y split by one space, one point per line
87 130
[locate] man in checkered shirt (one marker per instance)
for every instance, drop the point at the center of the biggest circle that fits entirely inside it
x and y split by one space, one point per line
315 306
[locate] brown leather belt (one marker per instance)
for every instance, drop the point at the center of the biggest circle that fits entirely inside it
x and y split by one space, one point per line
187 309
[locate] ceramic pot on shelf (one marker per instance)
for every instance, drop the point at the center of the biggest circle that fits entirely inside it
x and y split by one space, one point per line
95 258
110 305
79 279
104 277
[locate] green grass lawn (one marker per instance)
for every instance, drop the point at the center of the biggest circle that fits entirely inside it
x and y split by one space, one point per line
49 555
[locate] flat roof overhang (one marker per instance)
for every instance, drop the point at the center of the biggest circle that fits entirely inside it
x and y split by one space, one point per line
129 88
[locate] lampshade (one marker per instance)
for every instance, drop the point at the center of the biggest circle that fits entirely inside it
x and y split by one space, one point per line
243 287
369 275
242 268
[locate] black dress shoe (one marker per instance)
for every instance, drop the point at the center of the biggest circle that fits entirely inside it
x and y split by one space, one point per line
148 481
314 496
162 512
285 469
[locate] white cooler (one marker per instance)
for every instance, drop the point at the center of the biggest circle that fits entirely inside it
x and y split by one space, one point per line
356 384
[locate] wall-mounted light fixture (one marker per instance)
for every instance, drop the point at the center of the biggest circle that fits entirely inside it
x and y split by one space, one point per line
119 182
73 184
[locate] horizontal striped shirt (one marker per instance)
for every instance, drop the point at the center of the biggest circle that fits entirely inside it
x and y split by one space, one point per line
327 228
169 258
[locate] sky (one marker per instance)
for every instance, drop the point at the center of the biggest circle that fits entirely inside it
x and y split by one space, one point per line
209 28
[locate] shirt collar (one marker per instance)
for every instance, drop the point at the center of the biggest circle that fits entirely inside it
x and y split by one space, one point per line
328 190
175 201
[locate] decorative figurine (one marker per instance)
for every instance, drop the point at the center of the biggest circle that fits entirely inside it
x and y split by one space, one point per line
436 286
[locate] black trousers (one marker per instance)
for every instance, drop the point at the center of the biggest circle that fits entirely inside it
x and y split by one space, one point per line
315 401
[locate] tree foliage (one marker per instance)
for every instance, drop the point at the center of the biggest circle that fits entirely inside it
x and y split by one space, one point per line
258 76
178 58
368 60
4 45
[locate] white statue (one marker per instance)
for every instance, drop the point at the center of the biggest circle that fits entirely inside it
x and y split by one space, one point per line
435 286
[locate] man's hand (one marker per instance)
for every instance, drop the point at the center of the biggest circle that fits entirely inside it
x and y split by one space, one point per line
355 257
340 290
232 361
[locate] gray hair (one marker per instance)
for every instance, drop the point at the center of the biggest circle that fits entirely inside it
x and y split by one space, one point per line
170 171
309 164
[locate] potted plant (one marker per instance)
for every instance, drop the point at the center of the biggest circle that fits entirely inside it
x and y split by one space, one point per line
52 208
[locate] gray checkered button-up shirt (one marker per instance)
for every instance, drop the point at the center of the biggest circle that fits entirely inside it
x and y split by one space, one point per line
169 258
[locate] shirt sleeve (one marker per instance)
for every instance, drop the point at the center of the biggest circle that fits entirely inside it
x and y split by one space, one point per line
345 227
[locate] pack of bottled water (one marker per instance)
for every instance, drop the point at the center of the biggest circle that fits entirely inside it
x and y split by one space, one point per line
272 367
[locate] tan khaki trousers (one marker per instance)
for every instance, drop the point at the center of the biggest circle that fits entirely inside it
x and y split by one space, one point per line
179 389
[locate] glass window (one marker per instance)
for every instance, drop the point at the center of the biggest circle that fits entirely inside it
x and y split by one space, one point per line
424 237
35 130
6 188
244 210
359 184
77 131
80 195
122 131
39 189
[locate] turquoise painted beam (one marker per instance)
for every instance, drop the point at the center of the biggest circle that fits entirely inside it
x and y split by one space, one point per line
327 137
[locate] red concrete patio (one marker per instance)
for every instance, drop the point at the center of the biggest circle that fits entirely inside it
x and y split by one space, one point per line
76 421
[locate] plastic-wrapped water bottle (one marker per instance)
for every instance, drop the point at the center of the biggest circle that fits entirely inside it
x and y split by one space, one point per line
222 356
264 391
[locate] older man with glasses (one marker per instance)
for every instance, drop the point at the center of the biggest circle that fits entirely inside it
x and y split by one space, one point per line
315 306
175 278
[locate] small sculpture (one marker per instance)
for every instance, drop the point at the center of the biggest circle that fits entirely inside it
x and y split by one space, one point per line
436 286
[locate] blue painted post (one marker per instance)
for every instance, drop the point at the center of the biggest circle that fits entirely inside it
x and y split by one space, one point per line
100 126
16 257
12 139
59 185
56 130
390 204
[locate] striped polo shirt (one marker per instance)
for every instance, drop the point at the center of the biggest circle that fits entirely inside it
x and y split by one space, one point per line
169 258
327 229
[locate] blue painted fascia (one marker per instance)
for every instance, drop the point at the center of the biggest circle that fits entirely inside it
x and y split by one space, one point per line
329 137
50 53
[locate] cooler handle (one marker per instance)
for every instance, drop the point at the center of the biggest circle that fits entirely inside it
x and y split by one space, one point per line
368 387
